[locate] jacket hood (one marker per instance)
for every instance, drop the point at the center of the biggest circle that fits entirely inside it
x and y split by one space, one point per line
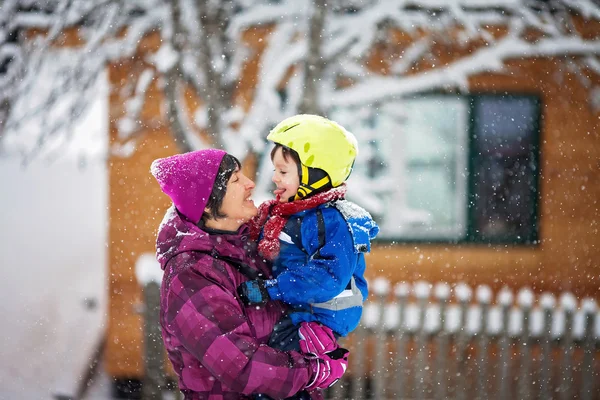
177 235
360 223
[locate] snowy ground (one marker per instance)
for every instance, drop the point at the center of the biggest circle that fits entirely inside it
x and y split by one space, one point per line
100 388
54 219
53 296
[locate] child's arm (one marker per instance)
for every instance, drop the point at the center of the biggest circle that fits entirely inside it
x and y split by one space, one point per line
329 267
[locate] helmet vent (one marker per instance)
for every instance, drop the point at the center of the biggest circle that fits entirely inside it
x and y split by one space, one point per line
293 126
319 143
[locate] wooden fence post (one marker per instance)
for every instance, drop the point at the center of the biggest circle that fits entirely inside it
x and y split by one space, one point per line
522 329
153 382
463 293
505 299
401 291
548 303
381 289
588 307
568 303
357 360
525 301
442 294
422 290
484 298
149 276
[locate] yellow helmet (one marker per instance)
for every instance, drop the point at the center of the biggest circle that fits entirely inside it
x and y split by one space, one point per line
320 143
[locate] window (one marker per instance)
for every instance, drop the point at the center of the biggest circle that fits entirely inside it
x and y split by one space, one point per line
449 168
504 169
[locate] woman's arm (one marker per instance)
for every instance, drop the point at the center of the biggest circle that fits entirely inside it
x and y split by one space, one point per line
212 325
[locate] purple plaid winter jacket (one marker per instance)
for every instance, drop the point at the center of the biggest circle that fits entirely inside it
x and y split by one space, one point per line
217 345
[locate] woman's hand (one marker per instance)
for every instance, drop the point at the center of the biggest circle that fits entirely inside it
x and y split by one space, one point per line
327 371
318 343
316 339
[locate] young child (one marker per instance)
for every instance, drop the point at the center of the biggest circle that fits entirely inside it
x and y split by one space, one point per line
315 238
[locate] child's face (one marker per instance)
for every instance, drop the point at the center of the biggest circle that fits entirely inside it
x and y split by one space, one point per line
285 176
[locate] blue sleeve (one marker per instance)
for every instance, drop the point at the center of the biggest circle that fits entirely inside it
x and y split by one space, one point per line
329 267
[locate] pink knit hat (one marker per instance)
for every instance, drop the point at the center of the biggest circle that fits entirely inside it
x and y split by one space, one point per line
188 179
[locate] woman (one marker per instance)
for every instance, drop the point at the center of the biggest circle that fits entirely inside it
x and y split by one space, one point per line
216 344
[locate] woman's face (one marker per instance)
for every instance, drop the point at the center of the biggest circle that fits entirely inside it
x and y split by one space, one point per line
237 205
285 176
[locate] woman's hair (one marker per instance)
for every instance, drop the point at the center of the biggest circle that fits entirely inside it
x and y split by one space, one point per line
287 153
229 164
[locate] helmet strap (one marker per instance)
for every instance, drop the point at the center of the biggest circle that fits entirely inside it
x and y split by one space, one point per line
312 181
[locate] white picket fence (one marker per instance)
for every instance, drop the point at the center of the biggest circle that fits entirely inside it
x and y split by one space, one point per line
434 341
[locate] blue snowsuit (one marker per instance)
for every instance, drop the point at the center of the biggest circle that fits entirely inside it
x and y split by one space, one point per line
321 264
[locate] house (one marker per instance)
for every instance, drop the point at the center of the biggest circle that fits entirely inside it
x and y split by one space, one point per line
502 191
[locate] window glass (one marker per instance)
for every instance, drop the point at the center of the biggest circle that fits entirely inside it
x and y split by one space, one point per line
448 168
415 160
435 166
504 168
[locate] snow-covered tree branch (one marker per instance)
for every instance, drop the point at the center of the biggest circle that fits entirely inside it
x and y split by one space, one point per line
313 56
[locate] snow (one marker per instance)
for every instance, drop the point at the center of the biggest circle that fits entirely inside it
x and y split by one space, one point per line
473 317
55 302
280 85
589 306
265 14
6 52
487 59
351 210
133 106
422 289
380 287
148 270
165 58
505 297
586 7
568 301
370 315
48 136
402 289
525 298
547 301
124 150
463 292
441 291
346 39
53 250
473 320
494 323
483 294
